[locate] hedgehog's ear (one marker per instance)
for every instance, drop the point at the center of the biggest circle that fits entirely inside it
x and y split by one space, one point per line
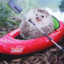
34 11
40 10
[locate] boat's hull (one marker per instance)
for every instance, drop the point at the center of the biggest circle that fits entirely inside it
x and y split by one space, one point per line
10 45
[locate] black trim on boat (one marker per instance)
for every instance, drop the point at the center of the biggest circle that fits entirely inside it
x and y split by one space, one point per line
18 36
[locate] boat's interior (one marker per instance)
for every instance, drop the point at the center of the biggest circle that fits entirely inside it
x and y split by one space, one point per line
56 23
19 37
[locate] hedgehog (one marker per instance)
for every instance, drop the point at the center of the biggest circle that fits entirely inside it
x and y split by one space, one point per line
42 19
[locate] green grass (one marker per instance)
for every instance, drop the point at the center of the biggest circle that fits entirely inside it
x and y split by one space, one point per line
5 12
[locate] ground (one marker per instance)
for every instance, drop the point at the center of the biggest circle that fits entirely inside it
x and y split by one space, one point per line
51 55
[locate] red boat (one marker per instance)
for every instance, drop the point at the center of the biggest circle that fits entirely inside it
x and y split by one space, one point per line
11 44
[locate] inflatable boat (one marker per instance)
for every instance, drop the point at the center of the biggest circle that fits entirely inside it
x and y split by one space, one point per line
12 44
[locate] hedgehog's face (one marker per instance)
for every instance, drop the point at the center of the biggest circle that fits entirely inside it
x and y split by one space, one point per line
37 16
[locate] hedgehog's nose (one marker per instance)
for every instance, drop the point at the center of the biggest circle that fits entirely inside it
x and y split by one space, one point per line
36 17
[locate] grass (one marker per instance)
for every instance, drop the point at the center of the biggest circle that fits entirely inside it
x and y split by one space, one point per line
5 12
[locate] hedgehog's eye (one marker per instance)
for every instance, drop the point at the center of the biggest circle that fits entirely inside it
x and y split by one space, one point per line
36 14
42 16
